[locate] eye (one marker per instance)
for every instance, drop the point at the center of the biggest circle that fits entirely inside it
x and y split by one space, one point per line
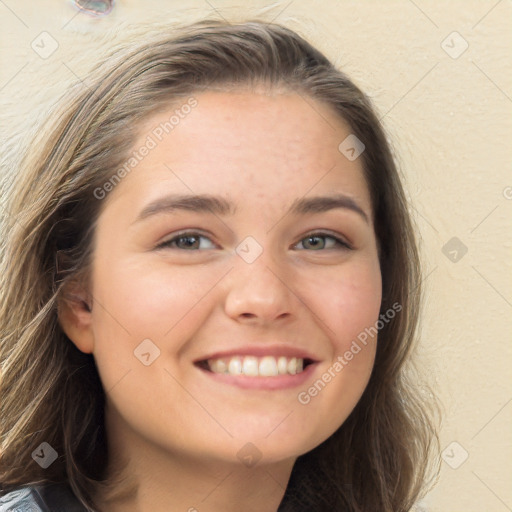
189 241
319 241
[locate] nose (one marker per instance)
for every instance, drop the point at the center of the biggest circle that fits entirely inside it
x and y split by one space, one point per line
258 294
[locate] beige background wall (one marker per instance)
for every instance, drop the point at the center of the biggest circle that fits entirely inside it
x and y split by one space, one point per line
447 107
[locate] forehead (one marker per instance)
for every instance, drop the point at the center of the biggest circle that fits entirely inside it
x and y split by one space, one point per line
247 146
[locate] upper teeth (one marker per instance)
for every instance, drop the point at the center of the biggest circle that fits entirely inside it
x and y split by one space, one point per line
267 366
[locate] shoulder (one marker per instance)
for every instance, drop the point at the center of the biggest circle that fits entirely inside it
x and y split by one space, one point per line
20 500
41 498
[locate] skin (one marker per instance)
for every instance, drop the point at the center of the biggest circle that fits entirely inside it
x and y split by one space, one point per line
177 430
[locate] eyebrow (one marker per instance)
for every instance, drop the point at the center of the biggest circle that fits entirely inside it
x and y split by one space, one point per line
191 202
321 204
206 203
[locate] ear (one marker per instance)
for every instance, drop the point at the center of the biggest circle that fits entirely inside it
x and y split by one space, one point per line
75 317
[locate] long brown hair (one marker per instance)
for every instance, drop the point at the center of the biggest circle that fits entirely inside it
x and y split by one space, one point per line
378 460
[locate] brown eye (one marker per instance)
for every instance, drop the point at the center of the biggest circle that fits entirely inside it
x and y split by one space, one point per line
188 242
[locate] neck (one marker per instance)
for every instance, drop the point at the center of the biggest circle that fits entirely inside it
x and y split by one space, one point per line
163 481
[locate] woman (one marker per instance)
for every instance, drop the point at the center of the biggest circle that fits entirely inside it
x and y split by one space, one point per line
210 289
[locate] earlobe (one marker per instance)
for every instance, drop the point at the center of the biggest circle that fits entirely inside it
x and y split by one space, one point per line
75 319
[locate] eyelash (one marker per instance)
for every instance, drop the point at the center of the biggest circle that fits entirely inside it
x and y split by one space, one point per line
342 245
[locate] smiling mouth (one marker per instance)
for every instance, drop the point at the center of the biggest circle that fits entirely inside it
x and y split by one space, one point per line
252 366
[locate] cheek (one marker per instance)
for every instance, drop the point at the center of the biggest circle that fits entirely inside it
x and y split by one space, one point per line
149 293
353 313
348 302
136 302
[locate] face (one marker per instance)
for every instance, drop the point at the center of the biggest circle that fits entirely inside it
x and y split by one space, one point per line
221 322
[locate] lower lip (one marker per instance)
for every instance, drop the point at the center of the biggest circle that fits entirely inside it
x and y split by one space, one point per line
278 382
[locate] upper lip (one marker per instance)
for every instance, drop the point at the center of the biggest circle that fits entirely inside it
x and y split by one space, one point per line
260 351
